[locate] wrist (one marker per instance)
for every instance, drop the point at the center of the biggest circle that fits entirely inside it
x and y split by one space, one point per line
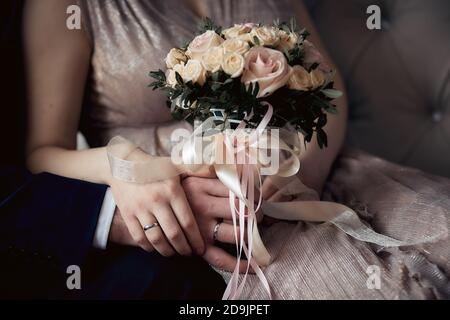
108 179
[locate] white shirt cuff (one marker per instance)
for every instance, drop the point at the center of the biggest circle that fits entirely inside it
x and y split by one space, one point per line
104 221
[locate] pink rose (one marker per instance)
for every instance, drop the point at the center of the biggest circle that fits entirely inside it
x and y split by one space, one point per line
203 43
268 67
312 55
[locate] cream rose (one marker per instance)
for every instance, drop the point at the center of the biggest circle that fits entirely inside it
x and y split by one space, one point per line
267 36
203 43
246 37
174 57
287 41
300 79
212 59
237 30
171 74
233 64
194 71
236 46
317 78
268 67
303 80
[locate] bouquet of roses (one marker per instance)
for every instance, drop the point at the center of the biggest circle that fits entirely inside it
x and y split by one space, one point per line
234 70
251 76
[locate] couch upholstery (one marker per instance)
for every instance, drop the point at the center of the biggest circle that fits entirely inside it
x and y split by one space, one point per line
398 78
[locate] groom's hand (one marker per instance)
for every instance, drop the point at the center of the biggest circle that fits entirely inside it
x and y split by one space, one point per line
209 201
119 233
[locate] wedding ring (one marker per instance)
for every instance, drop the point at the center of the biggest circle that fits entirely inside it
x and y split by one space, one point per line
149 226
216 231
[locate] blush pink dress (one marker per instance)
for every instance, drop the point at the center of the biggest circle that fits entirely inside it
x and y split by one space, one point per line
311 261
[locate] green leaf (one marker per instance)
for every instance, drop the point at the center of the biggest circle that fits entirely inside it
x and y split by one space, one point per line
322 120
256 41
286 29
332 110
173 106
215 76
326 105
314 66
256 89
207 24
332 93
179 78
250 88
308 138
305 33
293 24
322 138
160 79
158 75
215 86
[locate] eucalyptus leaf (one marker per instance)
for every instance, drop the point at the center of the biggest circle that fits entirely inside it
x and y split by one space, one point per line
332 93
332 110
286 29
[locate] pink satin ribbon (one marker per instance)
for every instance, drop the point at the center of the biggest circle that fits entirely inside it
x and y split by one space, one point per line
246 198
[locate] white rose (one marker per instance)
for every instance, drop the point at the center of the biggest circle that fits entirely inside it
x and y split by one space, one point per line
233 64
236 46
194 71
171 74
237 30
212 59
299 79
203 43
287 41
174 57
267 36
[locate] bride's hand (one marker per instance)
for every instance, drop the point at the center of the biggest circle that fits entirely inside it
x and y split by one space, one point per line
164 203
209 200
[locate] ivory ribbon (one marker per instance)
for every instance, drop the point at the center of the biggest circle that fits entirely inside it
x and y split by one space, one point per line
242 180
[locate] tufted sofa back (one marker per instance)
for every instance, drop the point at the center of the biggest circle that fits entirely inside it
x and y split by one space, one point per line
398 78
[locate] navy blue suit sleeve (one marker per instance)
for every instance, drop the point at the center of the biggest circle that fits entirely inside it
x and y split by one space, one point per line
48 217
